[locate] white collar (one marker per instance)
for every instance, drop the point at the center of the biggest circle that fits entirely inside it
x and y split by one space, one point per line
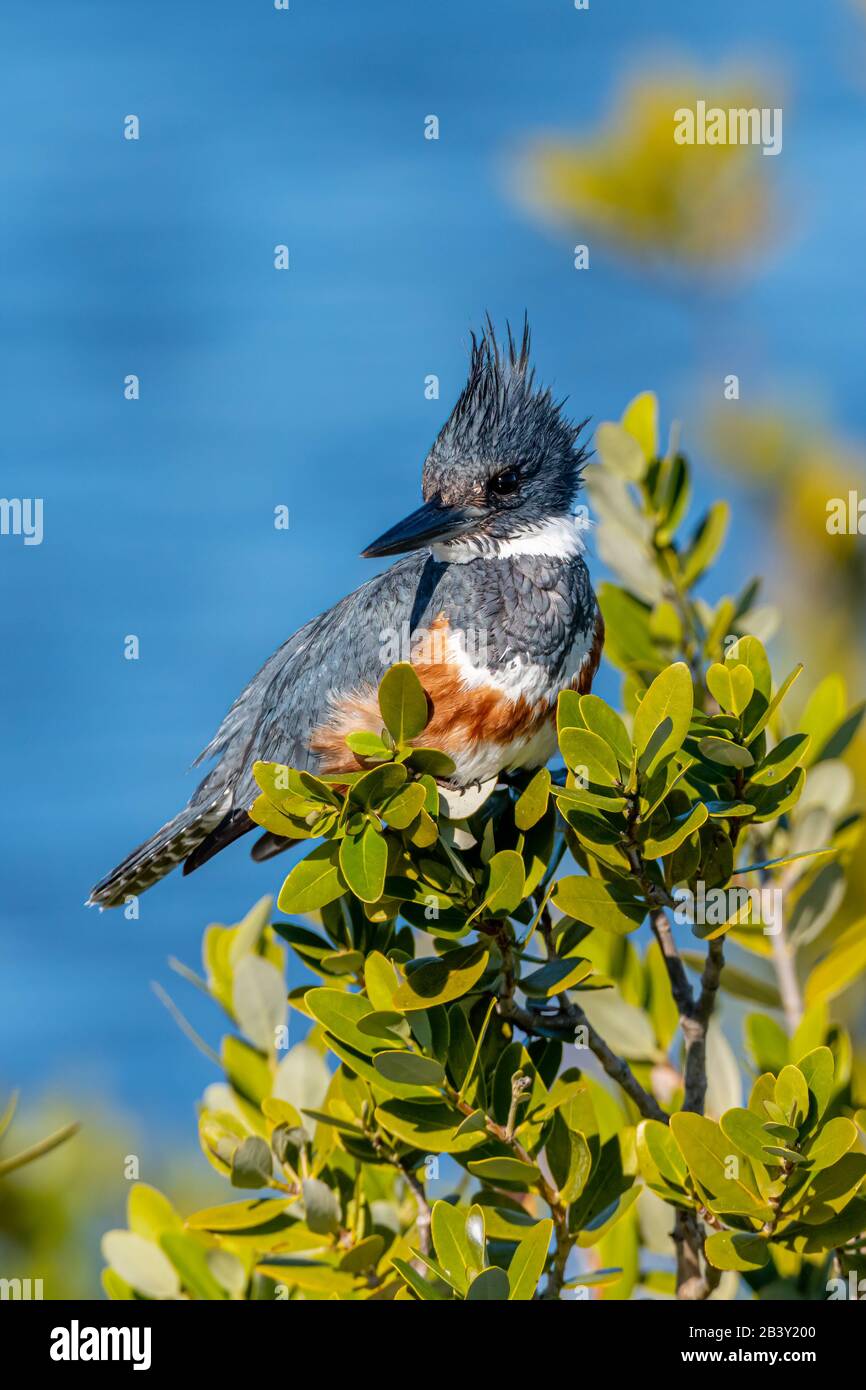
559 538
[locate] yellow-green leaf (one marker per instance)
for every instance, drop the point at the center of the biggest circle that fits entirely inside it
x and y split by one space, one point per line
402 702
527 1262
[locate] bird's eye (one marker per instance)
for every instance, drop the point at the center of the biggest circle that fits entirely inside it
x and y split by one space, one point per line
505 482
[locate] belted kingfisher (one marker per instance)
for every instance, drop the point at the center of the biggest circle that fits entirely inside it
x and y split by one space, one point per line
493 592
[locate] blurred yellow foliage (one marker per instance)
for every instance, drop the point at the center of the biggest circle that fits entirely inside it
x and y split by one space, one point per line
800 469
703 205
804 468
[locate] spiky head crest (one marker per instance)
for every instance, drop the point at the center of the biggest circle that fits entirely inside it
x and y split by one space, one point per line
506 446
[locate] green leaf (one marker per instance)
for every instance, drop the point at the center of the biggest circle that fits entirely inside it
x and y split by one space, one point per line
191 1259
781 760
831 1234
381 1025
343 962
403 702
363 1256
831 1143
841 967
568 712
246 1068
527 1262
315 1280
589 757
792 1095
313 883
259 1000
707 1151
761 719
476 1239
663 716
772 802
641 419
672 835
431 762
579 1168
362 1066
817 854
555 977
375 787
511 1170
706 543
749 652
659 1157
476 1051
746 1132
620 451
116 1289
491 1285
828 1191
627 1029
324 1117
736 1250
340 1013
723 810
825 710
321 1207
768 1042
141 1264
532 802
594 1228
815 908
410 1068
600 719
443 979
400 811
732 687
725 752
455 1253
505 883
818 1068
628 641
252 1164
428 1125
380 981
598 905
363 861
149 1213
368 745
417 1283
599 1278
239 1216
291 827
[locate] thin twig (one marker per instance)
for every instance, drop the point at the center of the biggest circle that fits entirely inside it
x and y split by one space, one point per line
43 1146
423 1220
694 1026
679 980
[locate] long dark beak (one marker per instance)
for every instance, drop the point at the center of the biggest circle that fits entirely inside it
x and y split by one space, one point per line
432 522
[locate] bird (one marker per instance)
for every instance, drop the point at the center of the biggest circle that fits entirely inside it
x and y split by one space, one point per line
491 588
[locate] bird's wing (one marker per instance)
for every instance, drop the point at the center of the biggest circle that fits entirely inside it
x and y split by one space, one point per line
340 652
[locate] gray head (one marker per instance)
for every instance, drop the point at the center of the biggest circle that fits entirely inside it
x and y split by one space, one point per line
506 461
